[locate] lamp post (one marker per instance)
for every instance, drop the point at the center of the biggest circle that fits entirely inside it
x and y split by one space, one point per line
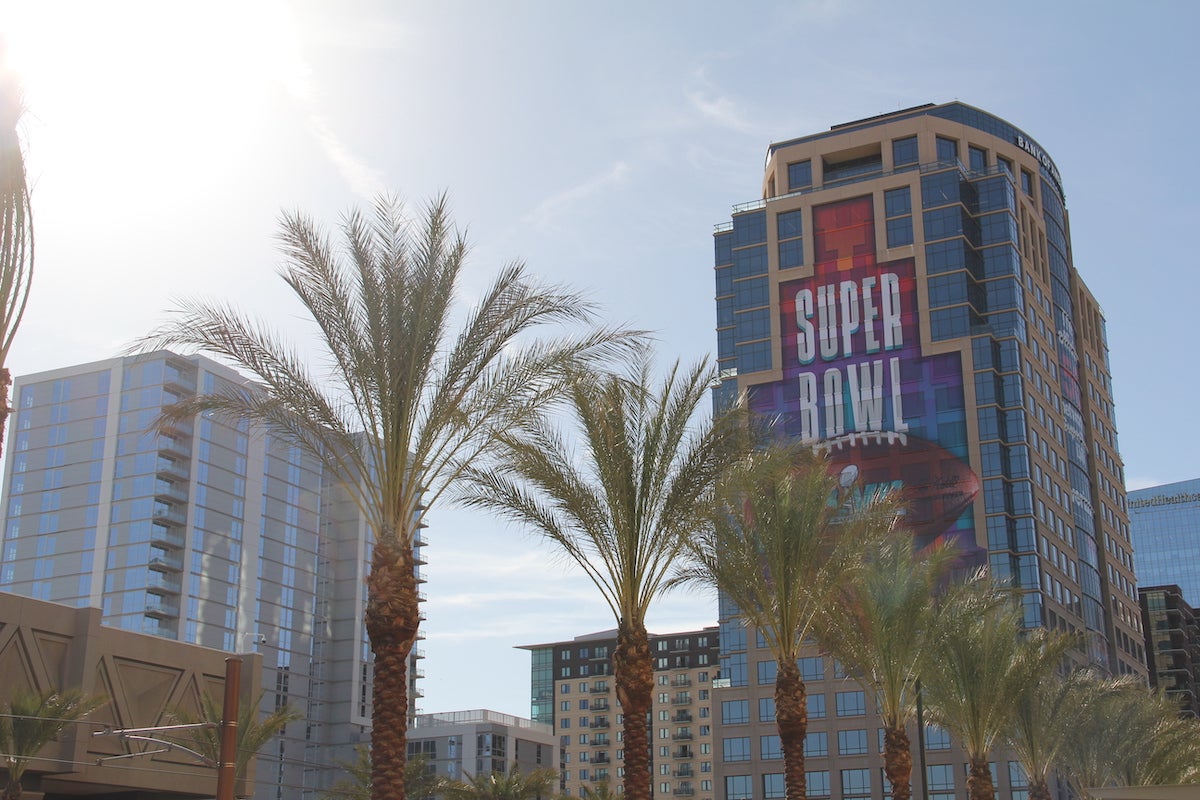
227 762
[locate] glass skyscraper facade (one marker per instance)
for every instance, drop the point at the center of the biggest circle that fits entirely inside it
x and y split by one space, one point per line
1166 530
903 297
208 531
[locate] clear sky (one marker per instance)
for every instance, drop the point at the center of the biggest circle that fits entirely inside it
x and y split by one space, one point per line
598 142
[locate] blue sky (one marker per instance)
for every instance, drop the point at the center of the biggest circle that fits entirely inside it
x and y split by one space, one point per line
597 142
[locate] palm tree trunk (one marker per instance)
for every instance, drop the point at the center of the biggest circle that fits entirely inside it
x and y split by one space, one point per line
392 618
5 383
791 717
634 668
897 761
979 780
1038 788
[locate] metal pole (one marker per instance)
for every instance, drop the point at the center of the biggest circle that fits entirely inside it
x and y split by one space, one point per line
227 761
921 743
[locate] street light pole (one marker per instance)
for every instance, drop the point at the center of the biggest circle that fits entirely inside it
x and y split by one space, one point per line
227 761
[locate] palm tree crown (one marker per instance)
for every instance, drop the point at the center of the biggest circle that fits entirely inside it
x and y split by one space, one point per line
411 401
883 625
621 507
32 720
787 539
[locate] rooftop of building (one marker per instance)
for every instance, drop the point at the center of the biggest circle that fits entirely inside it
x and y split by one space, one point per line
475 716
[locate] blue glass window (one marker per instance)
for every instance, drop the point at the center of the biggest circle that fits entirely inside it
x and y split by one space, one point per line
752 325
770 748
852 742
856 782
750 228
812 668
947 149
904 151
897 201
735 712
851 704
1027 182
899 231
816 744
977 158
817 783
753 357
773 786
766 709
816 706
940 188
723 247
997 228
766 672
750 261
749 294
724 279
790 224
739 787
791 253
736 748
941 777
799 175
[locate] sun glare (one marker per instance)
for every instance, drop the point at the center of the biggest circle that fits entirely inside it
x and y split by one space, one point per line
150 82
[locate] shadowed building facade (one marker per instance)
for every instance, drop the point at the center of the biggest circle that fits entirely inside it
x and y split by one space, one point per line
903 297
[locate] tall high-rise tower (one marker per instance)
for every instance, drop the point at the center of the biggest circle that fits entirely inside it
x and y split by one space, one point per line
211 532
903 296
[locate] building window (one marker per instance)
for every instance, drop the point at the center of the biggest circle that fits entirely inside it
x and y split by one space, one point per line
976 158
773 786
940 779
816 744
770 748
1027 182
856 783
816 706
852 742
1005 164
936 738
817 782
899 231
851 704
735 712
766 709
947 149
799 177
812 668
904 152
736 748
766 673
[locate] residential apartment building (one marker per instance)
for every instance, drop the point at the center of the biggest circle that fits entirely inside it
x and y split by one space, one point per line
902 296
1172 644
1165 521
574 690
461 744
209 531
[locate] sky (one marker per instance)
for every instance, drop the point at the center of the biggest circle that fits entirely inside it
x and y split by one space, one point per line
597 142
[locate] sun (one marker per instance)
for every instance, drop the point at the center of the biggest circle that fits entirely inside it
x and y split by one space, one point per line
148 82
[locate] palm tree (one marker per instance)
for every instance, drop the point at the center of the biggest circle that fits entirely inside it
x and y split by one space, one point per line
513 785
883 625
421 782
980 672
794 539
412 400
1045 709
16 230
252 733
1123 734
621 507
30 721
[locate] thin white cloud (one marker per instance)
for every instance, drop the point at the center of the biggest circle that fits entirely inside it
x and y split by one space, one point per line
558 204
364 180
719 109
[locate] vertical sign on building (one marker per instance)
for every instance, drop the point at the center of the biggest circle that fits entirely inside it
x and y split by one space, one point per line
856 383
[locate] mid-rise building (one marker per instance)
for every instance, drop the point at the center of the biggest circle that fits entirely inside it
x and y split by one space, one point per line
462 744
902 295
574 690
1165 522
1172 644
209 531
